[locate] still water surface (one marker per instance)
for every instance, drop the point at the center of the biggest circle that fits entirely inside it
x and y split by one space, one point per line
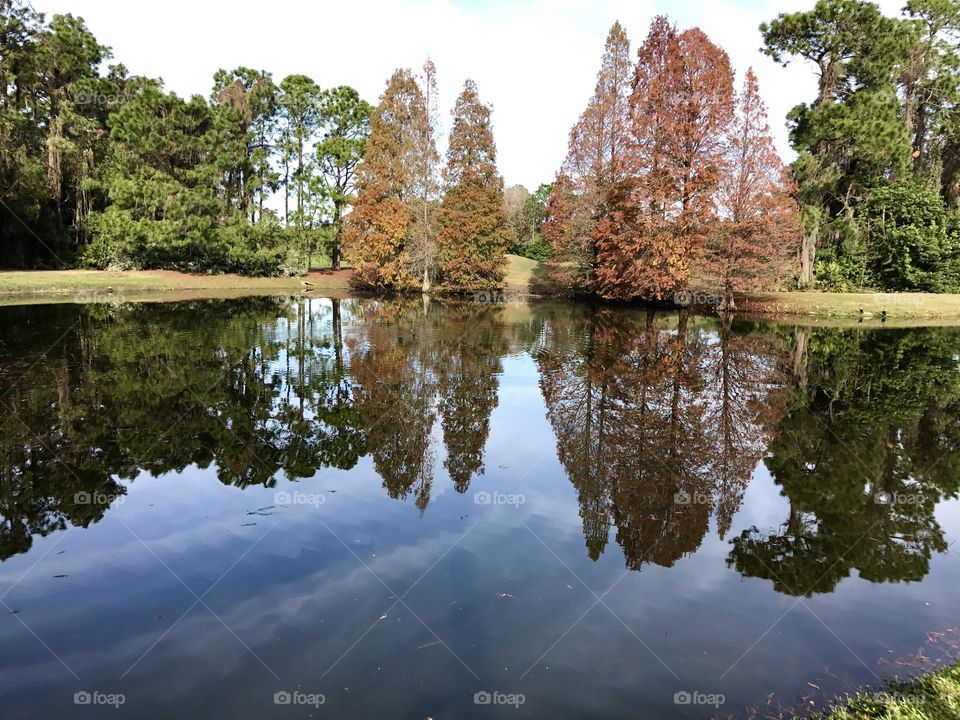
213 509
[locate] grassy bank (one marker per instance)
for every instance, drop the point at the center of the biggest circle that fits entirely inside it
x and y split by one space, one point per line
930 697
524 277
84 285
852 305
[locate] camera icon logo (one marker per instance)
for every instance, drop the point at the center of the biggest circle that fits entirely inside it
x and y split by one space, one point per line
482 698
682 698
82 698
682 498
483 498
282 698
82 498
282 498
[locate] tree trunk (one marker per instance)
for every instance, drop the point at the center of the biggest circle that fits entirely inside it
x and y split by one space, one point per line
800 344
338 229
337 336
808 250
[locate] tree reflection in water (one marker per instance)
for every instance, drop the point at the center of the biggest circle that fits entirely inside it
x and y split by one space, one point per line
660 420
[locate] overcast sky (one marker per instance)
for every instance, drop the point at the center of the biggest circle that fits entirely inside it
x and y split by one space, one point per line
535 61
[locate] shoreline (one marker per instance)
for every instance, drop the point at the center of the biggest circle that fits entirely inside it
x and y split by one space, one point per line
50 286
934 694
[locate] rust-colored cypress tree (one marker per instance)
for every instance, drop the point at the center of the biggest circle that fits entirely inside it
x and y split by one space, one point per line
422 237
474 234
597 156
377 230
759 227
660 213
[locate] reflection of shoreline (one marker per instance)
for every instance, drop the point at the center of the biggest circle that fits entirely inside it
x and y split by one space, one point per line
646 409
899 684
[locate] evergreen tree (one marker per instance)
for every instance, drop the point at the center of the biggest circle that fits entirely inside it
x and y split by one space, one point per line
299 117
853 134
249 99
345 120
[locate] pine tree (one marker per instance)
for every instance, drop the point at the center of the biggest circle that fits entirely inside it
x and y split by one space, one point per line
854 134
474 234
345 119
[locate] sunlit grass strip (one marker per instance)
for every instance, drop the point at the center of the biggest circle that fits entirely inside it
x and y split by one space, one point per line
935 696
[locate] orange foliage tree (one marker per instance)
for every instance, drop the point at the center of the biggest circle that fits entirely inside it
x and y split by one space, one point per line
596 160
752 245
671 180
682 103
474 234
377 230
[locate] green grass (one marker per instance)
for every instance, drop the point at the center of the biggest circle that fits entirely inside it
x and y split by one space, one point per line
935 696
853 305
523 276
522 273
93 285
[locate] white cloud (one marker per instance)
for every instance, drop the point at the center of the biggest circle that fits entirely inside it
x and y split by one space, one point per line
534 60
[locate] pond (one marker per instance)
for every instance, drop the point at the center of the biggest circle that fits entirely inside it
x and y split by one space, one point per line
289 507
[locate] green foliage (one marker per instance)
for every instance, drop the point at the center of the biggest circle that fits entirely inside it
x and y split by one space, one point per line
345 119
879 121
165 210
536 249
529 242
912 247
930 697
839 272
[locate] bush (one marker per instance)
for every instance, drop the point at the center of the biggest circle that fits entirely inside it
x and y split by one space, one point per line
256 250
835 272
536 249
911 245
123 243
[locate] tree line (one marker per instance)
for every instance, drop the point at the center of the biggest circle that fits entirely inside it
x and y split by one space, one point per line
660 422
107 169
671 183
